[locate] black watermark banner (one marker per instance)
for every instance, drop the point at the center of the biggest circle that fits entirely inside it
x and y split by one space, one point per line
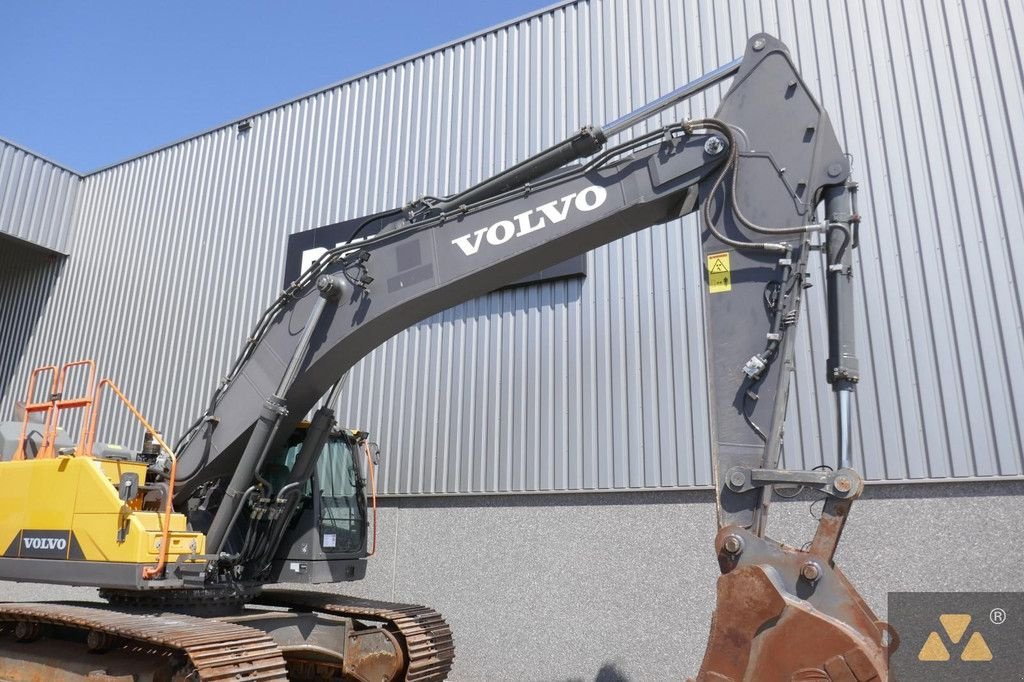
957 636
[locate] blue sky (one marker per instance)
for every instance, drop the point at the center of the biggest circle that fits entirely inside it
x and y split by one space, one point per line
90 83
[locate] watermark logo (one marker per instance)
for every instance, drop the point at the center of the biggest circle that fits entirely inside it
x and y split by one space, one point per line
954 625
957 636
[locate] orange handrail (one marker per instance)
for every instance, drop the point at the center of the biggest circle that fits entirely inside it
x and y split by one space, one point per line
52 406
373 492
30 407
148 572
85 401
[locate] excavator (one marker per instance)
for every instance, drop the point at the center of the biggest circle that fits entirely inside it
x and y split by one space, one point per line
185 541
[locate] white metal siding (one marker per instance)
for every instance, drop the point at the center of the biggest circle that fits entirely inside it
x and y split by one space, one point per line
594 383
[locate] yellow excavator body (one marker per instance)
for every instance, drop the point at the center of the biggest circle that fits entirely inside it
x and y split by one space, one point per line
69 507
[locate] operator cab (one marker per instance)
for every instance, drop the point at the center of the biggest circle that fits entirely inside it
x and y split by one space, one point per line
326 540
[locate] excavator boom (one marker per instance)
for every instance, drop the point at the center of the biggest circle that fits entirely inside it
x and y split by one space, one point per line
756 172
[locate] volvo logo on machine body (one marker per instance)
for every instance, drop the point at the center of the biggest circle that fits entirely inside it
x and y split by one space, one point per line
521 224
306 246
44 544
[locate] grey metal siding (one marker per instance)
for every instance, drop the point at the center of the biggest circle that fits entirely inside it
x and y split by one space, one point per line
27 279
37 198
594 383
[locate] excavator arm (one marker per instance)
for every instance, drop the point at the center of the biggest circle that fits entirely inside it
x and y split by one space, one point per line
757 172
782 612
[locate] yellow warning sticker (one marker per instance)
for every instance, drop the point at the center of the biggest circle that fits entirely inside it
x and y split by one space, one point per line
719 273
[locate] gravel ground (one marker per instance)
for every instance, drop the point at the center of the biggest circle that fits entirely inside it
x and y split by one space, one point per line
32 592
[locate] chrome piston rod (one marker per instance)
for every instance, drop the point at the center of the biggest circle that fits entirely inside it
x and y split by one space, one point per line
671 99
586 142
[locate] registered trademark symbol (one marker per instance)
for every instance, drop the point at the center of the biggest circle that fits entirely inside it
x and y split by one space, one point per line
997 616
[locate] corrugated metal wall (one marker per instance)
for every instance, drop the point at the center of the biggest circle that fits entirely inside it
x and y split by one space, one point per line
37 198
594 383
28 276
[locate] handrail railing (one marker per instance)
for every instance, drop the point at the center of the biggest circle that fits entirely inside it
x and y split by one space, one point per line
373 492
89 438
84 401
52 406
30 407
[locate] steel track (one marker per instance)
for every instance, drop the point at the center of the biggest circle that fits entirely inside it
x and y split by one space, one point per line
212 649
427 638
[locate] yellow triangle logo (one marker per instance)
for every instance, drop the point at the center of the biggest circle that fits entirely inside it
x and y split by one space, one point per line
933 649
976 649
955 625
